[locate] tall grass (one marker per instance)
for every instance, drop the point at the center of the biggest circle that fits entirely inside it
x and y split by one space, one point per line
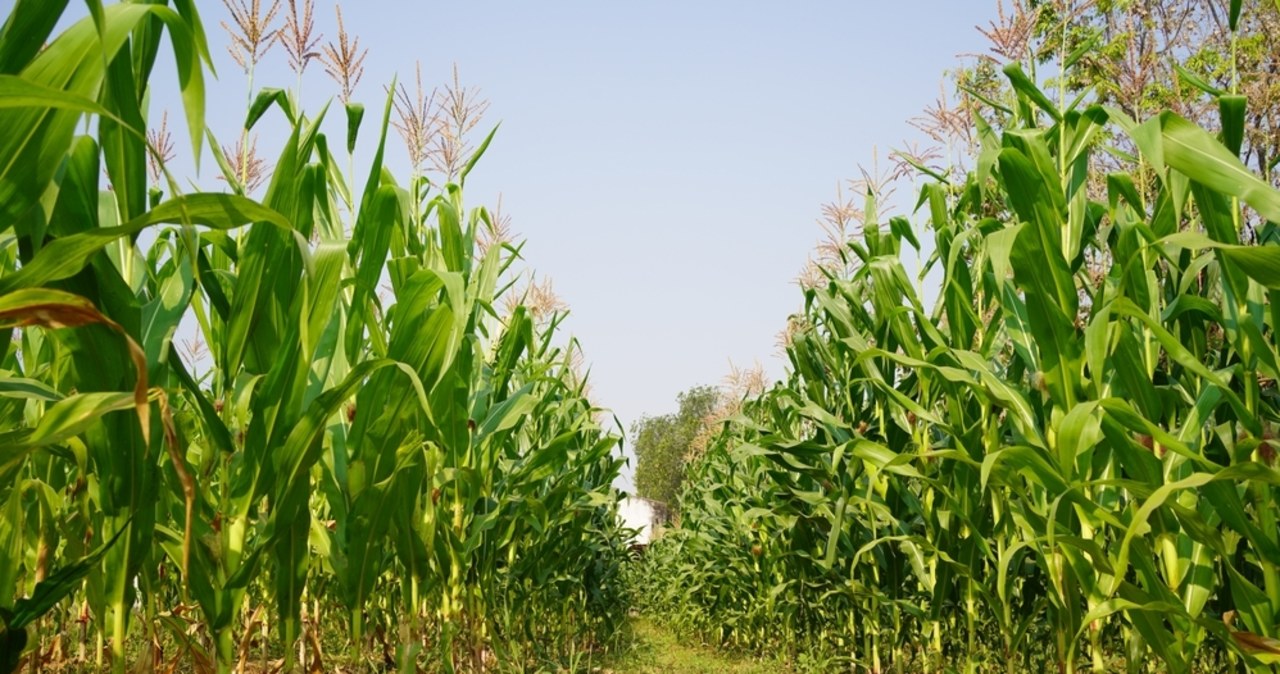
376 443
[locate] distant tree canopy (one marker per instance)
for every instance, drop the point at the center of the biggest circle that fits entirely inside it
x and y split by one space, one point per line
662 443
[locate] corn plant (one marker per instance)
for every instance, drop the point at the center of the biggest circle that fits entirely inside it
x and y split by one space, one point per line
421 471
1069 461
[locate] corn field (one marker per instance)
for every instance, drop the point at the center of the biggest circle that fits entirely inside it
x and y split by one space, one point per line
1067 463
385 443
381 454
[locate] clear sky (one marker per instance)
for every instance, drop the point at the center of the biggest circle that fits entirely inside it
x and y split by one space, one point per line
666 161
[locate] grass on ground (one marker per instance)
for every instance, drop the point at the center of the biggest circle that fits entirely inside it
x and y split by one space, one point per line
655 650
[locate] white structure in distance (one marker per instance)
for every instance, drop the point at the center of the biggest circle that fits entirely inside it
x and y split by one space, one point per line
646 516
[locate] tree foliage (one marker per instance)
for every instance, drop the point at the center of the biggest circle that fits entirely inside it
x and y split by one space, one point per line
662 443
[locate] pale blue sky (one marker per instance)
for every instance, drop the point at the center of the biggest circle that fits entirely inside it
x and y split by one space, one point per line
666 161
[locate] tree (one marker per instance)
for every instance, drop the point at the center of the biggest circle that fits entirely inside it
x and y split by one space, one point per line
663 442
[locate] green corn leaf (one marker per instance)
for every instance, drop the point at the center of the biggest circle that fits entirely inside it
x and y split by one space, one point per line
1192 151
355 115
1231 109
59 584
26 31
475 156
16 92
265 99
65 256
1023 85
1086 47
1260 263
1197 81
30 389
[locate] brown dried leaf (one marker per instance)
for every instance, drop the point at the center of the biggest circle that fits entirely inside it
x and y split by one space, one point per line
55 310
